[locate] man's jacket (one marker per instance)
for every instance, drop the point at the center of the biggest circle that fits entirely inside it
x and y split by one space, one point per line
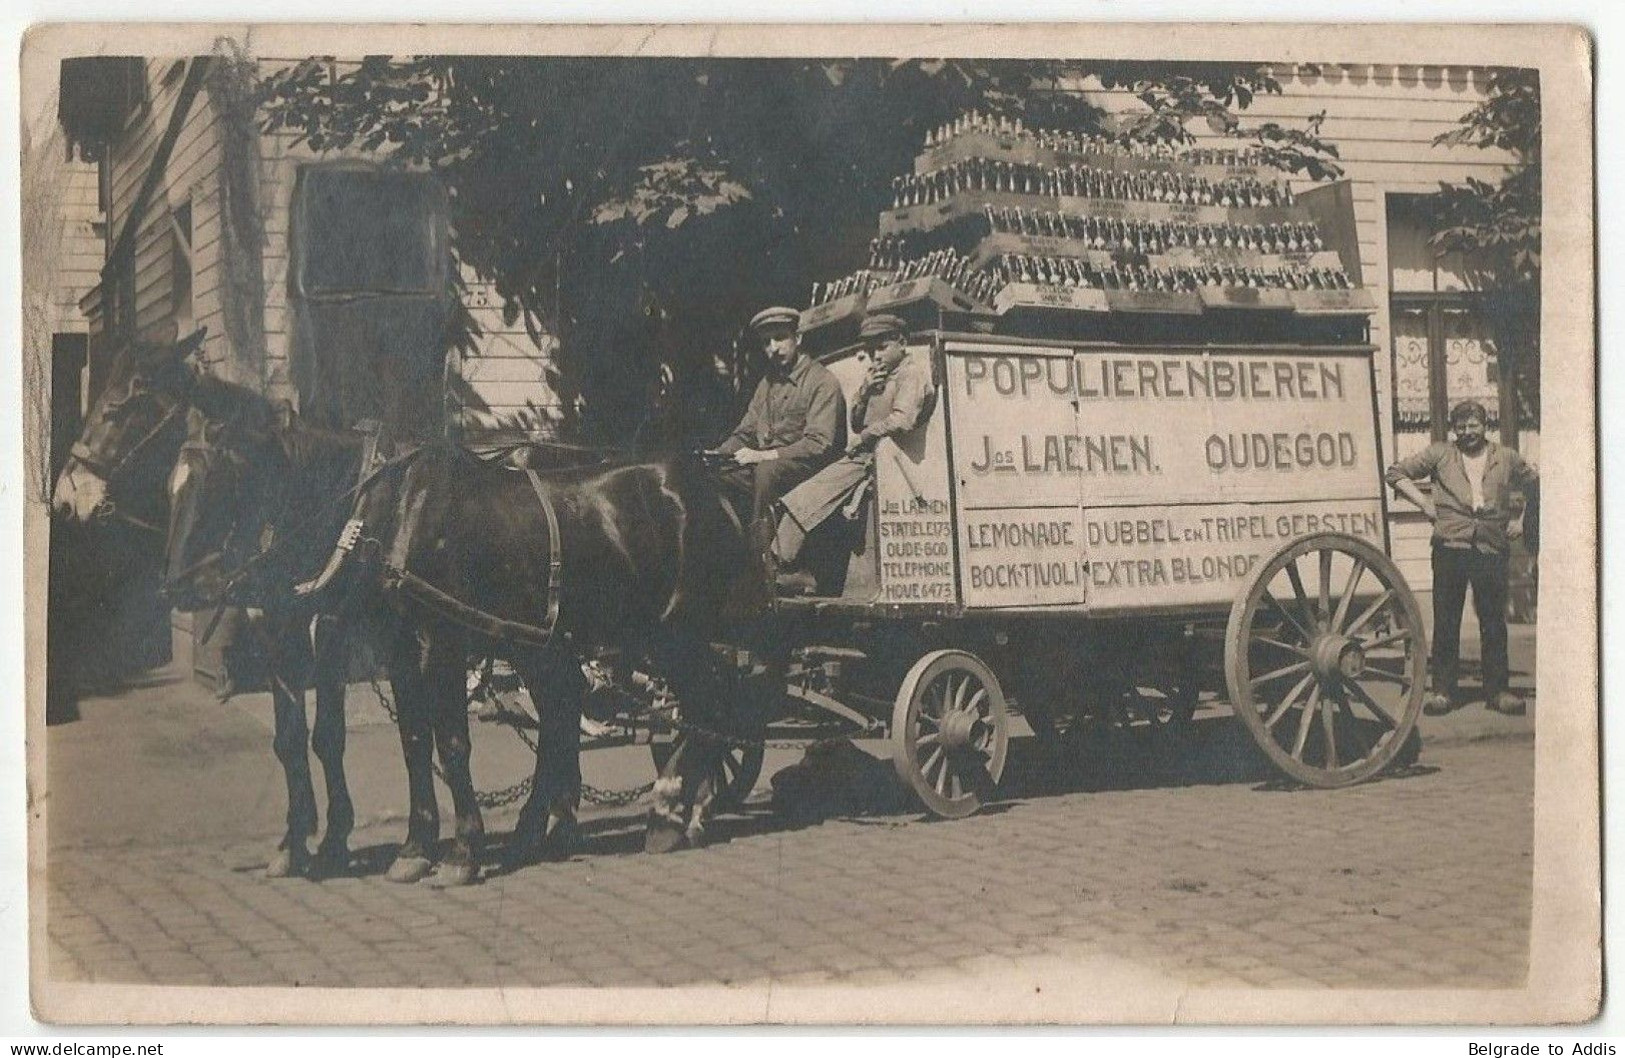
801 414
1458 524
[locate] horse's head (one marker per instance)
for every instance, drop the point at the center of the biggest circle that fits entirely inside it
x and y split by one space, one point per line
138 413
222 496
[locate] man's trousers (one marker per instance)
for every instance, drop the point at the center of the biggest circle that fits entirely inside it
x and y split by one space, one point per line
762 485
1455 569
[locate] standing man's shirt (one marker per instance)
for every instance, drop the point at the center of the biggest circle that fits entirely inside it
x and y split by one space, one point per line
801 414
1474 466
1469 516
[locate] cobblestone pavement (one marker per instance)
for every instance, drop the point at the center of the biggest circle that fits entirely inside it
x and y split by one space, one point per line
1211 876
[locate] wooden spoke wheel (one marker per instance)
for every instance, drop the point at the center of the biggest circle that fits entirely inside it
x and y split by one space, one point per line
735 774
949 732
1325 658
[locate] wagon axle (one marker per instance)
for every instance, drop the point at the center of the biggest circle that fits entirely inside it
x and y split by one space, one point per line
960 728
1336 658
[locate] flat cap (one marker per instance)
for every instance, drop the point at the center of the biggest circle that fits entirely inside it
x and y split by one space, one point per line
778 315
882 323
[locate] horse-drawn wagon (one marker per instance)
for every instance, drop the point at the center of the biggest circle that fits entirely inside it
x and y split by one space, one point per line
1153 469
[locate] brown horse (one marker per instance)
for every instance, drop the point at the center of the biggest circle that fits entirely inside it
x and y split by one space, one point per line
273 536
643 556
692 557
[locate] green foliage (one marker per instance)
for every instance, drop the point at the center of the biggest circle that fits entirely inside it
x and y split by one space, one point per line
642 209
1496 225
1498 222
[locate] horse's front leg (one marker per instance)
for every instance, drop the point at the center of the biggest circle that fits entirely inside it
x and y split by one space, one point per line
286 660
547 823
684 794
406 657
329 647
444 680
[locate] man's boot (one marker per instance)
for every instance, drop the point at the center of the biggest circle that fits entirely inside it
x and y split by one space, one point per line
1438 703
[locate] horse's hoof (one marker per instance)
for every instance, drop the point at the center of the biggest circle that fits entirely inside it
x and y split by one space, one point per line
696 837
662 836
452 875
408 869
288 863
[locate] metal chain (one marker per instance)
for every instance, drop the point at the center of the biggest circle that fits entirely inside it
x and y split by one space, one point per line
512 794
705 734
492 799
614 798
590 793
499 798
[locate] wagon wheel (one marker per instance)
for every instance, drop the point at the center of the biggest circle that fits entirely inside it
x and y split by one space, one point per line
1326 672
949 732
736 772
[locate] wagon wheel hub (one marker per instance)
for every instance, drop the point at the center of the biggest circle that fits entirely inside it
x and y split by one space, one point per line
1337 658
958 729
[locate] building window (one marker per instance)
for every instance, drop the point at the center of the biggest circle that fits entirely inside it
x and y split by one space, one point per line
368 231
1443 348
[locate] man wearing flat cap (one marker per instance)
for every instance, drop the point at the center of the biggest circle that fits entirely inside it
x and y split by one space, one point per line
896 396
795 423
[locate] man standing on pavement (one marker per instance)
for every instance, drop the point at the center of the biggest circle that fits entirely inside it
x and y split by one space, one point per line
795 423
1473 527
896 395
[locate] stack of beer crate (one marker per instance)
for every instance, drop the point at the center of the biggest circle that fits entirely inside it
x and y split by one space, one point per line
999 220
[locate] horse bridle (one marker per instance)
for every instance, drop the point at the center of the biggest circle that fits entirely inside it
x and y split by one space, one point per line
82 453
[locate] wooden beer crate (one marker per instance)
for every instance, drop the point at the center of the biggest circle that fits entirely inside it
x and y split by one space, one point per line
822 315
931 289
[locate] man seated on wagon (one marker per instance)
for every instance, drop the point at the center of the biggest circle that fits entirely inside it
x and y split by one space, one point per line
795 423
896 395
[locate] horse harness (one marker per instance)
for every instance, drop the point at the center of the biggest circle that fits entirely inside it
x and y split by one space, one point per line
447 607
371 466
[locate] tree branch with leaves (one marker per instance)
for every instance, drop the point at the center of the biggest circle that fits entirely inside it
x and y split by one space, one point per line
1495 225
641 209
